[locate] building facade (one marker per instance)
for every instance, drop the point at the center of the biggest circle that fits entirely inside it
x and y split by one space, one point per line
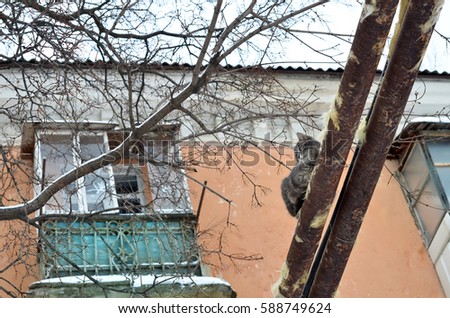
187 213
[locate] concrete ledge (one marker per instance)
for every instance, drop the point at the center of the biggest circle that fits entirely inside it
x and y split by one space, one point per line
121 286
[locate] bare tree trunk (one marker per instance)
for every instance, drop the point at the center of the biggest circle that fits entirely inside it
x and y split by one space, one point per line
388 108
340 129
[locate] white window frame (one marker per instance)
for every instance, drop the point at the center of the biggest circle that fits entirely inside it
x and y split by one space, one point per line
111 202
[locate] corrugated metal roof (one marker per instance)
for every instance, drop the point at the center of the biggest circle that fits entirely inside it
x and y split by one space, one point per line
178 66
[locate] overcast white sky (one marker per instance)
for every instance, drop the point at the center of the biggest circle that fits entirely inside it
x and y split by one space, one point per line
340 16
343 19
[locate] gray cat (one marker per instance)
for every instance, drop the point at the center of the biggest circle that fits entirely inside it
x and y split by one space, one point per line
293 187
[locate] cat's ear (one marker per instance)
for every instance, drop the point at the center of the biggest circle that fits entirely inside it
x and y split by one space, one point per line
302 137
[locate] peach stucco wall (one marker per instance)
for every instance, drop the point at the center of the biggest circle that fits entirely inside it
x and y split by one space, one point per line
389 258
18 261
18 240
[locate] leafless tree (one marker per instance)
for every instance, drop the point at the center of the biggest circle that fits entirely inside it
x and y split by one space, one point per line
133 72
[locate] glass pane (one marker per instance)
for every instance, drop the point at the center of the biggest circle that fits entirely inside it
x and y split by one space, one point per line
126 184
439 150
430 209
129 188
96 186
444 176
59 159
415 170
91 146
129 205
96 183
168 187
168 184
159 150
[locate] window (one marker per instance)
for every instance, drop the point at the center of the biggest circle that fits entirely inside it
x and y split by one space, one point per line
170 192
132 216
61 152
426 176
126 187
440 155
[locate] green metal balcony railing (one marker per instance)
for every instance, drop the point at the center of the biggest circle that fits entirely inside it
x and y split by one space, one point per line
119 244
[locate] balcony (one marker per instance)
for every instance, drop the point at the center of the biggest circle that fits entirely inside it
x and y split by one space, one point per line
121 255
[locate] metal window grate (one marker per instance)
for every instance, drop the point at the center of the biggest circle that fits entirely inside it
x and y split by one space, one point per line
123 245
